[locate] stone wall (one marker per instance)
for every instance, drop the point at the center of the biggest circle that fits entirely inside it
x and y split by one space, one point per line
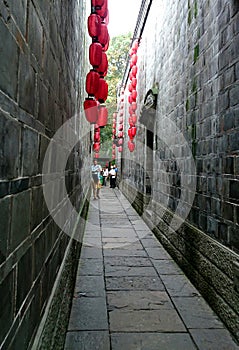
42 57
190 51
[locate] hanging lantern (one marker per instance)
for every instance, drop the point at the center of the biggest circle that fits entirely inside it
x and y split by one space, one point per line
114 125
132 52
95 54
134 95
121 120
102 92
97 3
103 11
133 131
96 155
121 114
130 120
114 115
120 127
91 110
120 134
130 87
122 98
130 99
135 45
102 116
113 152
134 59
105 48
134 82
130 133
104 35
131 111
131 146
94 25
134 71
113 131
134 106
96 128
113 146
134 118
107 18
92 82
120 149
97 136
120 142
103 67
96 147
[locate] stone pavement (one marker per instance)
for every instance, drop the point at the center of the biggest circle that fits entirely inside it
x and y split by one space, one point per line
130 294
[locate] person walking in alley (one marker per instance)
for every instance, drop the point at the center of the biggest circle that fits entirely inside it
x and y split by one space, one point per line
95 172
112 174
105 175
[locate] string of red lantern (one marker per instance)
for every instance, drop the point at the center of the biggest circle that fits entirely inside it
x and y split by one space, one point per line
133 95
95 85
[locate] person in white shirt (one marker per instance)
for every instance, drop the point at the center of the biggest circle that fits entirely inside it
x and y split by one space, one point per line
95 172
112 174
105 175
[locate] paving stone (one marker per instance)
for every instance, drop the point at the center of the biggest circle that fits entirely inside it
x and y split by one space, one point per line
139 300
151 341
167 267
121 271
200 315
90 286
124 252
90 267
158 253
127 261
150 242
145 321
88 314
87 340
179 285
92 242
213 339
134 283
91 252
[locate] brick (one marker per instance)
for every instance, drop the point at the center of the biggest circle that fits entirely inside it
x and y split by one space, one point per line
6 304
234 189
233 95
10 141
5 211
20 226
27 85
24 280
8 62
35 33
30 151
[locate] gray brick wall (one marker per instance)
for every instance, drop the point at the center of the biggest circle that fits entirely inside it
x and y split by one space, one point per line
191 53
42 56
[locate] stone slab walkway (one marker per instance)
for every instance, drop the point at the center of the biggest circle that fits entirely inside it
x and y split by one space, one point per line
130 294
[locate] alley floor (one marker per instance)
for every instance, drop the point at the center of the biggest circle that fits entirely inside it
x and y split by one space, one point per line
130 294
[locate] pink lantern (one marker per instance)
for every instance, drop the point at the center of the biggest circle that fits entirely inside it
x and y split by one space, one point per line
120 149
102 116
134 95
131 146
134 71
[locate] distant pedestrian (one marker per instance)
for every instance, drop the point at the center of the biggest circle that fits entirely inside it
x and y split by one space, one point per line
95 172
112 174
105 175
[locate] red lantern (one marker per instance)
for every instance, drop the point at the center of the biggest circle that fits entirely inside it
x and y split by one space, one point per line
120 134
130 99
134 95
134 118
135 45
134 82
96 147
95 54
114 125
121 120
113 131
120 142
120 149
96 155
97 3
104 35
133 131
130 120
134 59
120 127
130 133
131 111
102 116
130 87
102 92
103 67
103 11
113 146
114 115
92 82
122 98
134 71
131 146
94 25
132 52
91 110
97 136
121 114
113 152
105 48
134 106
107 18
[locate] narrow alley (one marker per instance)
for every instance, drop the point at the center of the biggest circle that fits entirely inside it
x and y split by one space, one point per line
129 292
119 174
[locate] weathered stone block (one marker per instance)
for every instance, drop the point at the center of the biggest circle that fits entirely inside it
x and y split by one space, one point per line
27 84
6 304
30 149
